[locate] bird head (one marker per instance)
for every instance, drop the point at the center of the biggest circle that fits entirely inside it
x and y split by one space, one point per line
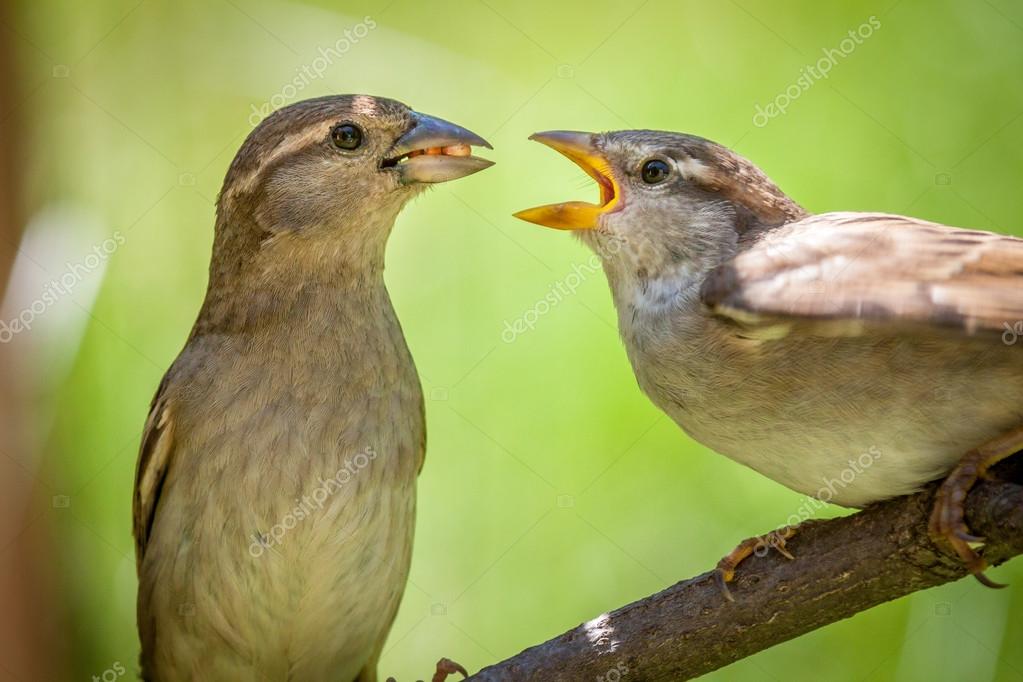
667 200
324 179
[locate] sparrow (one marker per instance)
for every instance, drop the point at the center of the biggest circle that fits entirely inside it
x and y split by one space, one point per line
853 357
275 491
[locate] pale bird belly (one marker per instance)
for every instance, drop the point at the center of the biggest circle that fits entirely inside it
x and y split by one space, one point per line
287 576
844 420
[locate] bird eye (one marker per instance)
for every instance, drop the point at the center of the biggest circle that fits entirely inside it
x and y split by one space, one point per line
655 171
346 136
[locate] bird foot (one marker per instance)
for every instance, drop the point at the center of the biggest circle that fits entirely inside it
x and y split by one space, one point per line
947 525
445 667
759 545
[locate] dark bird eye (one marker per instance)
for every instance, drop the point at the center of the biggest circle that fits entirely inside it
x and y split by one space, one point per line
655 171
346 136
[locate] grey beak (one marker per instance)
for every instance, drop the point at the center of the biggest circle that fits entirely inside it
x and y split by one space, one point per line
430 132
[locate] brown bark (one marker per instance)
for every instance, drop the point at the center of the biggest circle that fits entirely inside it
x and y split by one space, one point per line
842 566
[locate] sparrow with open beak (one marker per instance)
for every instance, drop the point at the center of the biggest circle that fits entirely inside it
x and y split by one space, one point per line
849 356
275 492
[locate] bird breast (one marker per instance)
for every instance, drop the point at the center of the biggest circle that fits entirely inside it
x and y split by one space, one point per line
806 410
288 518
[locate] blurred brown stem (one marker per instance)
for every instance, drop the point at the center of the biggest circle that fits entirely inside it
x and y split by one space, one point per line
30 631
842 566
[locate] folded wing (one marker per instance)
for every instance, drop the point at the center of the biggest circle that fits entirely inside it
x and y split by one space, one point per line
846 273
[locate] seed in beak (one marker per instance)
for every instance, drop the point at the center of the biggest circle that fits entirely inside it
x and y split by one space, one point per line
451 150
458 150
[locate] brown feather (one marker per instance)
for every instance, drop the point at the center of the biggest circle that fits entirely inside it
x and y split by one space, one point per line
155 456
872 271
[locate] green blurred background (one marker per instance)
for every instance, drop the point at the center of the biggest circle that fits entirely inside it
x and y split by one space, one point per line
553 490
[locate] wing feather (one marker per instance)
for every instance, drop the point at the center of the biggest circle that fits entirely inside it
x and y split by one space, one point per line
844 273
155 456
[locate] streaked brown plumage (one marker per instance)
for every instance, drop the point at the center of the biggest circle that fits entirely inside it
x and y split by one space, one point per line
874 270
275 492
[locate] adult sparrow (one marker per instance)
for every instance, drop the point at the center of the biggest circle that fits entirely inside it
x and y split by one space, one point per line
276 485
861 354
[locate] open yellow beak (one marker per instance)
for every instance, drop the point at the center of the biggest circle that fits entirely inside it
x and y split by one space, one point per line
576 215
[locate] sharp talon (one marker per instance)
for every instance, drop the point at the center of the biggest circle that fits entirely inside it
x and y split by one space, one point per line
445 667
966 537
947 524
719 578
758 546
988 582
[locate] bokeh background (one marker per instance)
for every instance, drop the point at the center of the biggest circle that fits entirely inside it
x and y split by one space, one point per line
553 490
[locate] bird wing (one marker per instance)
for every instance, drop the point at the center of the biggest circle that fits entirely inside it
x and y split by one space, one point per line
842 274
155 456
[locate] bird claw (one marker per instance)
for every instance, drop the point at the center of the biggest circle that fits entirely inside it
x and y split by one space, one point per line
947 524
781 549
988 582
445 667
722 578
724 573
966 537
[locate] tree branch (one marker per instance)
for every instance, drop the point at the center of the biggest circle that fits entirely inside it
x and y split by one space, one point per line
843 566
